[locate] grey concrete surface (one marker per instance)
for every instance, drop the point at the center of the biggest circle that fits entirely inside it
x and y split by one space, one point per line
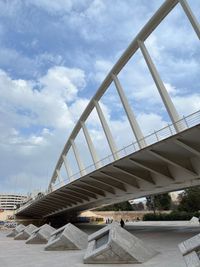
67 237
164 238
41 235
113 244
16 230
26 232
190 249
192 259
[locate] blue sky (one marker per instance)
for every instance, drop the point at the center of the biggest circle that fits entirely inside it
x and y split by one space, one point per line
53 57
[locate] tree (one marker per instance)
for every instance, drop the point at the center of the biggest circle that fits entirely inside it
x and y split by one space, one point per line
190 200
150 203
158 202
123 206
138 206
162 201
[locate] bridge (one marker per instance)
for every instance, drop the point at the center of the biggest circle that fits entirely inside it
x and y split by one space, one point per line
166 160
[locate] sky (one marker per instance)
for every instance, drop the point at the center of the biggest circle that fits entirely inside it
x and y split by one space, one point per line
54 56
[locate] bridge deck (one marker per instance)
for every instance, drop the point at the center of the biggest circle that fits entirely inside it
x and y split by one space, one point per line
168 165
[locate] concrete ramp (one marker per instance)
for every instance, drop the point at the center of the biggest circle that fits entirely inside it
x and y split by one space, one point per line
16 231
26 233
68 237
190 250
113 244
41 235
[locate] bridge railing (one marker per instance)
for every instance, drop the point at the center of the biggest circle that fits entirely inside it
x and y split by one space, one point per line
159 135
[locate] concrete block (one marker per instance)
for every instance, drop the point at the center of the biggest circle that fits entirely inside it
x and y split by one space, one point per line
16 230
26 233
192 259
68 237
113 244
189 245
41 235
194 220
190 249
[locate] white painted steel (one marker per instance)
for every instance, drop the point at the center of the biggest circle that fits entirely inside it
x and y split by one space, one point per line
67 167
91 147
191 17
156 19
60 178
161 87
142 173
107 131
131 117
78 159
161 13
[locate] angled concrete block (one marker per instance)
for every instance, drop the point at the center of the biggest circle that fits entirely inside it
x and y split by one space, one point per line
192 259
67 237
194 220
190 249
41 235
189 245
26 233
113 244
16 231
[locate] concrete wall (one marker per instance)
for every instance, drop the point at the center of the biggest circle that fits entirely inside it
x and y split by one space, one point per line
116 215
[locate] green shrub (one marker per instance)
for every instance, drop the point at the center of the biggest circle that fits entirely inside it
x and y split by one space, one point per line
172 216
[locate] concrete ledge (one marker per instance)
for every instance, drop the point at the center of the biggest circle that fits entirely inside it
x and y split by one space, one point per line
26 233
68 237
16 231
113 244
40 235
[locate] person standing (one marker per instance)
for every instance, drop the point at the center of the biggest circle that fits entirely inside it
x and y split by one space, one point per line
122 223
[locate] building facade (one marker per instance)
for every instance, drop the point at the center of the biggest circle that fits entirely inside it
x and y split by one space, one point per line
11 201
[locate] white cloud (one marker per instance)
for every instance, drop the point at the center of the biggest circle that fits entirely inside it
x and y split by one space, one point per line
46 106
187 104
101 69
36 122
58 6
63 83
11 8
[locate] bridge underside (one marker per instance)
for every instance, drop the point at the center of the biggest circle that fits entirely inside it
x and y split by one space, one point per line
168 165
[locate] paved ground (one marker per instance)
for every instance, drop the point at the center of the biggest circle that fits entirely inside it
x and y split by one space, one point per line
163 237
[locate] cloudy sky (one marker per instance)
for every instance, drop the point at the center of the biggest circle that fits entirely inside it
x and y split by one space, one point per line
53 57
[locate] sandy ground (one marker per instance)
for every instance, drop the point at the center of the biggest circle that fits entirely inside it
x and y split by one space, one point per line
162 236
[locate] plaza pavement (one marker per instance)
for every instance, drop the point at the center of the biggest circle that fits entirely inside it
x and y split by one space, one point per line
162 236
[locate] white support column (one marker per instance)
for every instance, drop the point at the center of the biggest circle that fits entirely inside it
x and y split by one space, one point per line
107 131
91 146
131 117
51 188
161 88
60 179
67 167
191 17
78 159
